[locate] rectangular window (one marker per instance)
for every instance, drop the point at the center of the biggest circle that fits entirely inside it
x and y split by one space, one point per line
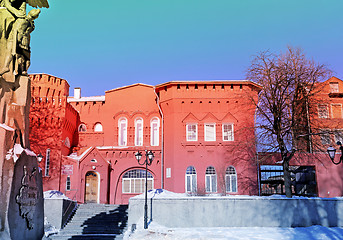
336 110
210 132
191 183
325 137
47 162
192 132
228 132
168 172
338 136
68 183
334 87
323 111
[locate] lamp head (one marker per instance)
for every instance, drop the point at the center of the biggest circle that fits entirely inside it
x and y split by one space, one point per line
332 151
138 156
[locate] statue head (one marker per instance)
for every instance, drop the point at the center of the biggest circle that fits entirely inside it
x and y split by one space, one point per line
33 14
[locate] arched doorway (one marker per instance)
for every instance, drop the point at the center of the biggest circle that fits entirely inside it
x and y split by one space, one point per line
92 187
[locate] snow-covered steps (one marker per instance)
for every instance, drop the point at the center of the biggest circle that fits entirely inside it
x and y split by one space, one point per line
95 221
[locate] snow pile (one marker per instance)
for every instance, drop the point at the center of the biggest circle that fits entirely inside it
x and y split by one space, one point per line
16 151
156 232
49 229
162 193
54 194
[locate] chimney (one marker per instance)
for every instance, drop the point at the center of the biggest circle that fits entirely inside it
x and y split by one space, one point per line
77 93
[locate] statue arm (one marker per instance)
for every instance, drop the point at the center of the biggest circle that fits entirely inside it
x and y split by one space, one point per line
19 13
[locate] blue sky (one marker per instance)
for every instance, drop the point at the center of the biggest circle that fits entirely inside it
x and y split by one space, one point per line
101 45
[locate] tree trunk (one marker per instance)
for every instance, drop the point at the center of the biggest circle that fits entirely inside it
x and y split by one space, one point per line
287 177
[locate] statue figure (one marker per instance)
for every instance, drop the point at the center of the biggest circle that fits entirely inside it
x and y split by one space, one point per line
15 27
15 94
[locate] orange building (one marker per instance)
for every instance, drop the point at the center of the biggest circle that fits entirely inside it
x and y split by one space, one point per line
53 125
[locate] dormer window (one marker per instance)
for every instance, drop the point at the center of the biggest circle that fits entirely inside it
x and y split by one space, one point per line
334 88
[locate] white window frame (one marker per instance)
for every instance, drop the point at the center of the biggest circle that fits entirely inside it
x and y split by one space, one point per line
136 181
98 127
192 136
47 162
155 131
211 180
325 113
336 104
122 131
191 180
334 87
226 133
139 127
231 180
209 137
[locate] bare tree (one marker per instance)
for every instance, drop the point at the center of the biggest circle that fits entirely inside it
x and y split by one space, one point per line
288 81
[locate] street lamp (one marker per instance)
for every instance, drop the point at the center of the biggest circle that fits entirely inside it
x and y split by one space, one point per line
332 151
149 156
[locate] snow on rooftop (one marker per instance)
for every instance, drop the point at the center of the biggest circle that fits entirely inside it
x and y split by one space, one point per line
78 157
4 126
87 99
54 194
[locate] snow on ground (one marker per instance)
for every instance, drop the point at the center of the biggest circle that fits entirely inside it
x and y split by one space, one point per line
156 232
162 193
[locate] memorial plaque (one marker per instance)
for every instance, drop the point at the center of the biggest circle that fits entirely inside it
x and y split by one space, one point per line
26 205
67 170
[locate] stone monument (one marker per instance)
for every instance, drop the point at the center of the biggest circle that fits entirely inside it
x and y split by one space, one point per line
21 208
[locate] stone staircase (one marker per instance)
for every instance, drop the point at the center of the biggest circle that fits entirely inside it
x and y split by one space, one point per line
95 221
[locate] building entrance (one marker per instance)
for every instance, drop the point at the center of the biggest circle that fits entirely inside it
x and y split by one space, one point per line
92 187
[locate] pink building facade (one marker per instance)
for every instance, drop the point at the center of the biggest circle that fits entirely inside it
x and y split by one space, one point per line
201 133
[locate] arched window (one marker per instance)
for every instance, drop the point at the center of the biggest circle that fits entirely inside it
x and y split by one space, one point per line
122 136
82 127
98 127
191 179
134 181
231 179
154 131
211 179
139 132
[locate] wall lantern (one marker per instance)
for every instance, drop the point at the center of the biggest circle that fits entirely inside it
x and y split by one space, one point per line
39 157
332 151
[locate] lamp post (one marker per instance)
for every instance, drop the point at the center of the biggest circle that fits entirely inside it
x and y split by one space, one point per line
149 156
332 151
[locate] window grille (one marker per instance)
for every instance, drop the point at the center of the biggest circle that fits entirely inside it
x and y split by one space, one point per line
231 179
211 179
47 162
191 179
228 132
192 132
134 181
